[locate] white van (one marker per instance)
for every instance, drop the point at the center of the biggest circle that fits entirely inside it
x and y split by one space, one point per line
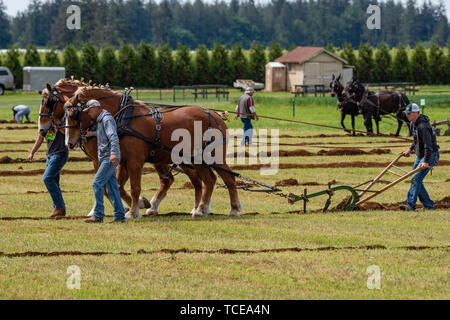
6 80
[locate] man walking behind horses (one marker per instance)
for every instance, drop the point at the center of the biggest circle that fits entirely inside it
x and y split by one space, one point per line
109 158
245 110
427 152
57 156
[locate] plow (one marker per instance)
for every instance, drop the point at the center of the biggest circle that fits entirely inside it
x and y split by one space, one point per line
358 195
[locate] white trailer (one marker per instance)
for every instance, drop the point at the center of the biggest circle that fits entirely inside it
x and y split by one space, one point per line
35 78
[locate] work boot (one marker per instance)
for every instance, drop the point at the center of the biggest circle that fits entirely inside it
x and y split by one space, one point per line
406 207
58 213
92 220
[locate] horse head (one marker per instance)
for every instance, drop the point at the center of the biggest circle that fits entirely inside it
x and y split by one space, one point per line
77 121
51 107
53 100
336 86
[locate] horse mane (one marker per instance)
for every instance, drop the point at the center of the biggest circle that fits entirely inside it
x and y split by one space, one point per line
89 92
68 86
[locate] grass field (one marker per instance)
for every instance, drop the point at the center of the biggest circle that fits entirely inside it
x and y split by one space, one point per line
173 256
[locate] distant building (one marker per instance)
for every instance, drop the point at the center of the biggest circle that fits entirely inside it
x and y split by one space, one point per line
307 66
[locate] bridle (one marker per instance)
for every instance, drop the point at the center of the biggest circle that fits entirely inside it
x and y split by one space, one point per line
76 116
52 100
346 98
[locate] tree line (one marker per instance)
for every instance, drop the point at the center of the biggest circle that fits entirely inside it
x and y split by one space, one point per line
195 22
150 67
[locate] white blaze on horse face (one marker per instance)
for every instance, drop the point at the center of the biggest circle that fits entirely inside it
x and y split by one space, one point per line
183 148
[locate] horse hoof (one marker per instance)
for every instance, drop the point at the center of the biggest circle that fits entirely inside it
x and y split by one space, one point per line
197 213
151 212
144 203
91 214
234 214
130 215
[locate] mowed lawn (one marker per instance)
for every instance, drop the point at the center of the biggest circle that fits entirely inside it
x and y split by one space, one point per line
176 257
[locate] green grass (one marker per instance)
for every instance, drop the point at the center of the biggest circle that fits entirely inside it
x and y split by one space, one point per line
339 274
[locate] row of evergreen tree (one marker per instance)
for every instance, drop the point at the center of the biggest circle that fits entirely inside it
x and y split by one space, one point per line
162 68
195 22
148 67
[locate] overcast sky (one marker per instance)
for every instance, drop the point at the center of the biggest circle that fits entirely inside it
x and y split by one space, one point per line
17 5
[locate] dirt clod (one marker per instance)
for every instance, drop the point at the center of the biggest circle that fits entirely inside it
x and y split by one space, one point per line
287 182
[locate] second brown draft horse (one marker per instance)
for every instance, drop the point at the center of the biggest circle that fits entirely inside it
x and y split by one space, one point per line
376 104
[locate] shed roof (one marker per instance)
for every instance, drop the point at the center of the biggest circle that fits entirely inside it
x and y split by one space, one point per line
276 65
303 54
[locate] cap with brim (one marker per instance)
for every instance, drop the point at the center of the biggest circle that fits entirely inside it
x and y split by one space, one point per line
91 104
249 90
411 108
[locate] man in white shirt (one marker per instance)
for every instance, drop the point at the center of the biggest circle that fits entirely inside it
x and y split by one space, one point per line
20 111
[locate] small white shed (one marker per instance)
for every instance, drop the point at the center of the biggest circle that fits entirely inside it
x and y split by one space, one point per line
275 77
35 78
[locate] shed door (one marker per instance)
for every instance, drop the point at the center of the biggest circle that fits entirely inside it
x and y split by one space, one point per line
312 73
328 69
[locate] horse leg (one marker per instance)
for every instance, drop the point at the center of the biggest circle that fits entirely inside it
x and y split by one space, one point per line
197 183
209 180
342 121
400 119
368 124
353 124
230 182
135 171
166 179
122 178
377 122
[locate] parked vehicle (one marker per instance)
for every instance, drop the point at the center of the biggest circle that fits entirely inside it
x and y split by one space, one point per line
6 80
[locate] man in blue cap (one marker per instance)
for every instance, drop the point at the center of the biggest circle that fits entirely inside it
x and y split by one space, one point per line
427 152
109 158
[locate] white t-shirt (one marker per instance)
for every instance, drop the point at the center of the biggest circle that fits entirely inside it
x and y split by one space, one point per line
21 107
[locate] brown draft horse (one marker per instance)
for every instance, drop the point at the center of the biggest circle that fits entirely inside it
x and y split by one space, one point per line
135 151
52 113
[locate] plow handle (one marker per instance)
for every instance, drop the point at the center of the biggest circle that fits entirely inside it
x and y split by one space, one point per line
389 186
382 173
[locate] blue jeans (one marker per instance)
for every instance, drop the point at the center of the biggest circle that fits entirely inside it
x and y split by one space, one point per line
417 188
55 163
106 179
20 114
248 131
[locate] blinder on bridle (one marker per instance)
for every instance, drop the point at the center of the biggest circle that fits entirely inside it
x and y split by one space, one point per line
52 100
76 114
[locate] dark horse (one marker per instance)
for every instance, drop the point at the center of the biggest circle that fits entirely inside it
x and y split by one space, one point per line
346 106
377 104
